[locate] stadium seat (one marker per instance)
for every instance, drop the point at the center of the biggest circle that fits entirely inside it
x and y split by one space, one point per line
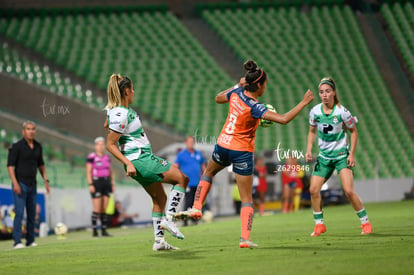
399 17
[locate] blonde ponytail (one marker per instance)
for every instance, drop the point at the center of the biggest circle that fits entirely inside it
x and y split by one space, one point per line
114 95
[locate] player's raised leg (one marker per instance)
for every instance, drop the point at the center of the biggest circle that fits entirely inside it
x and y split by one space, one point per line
245 185
315 191
347 180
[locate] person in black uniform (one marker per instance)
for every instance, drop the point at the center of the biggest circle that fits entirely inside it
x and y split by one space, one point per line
25 157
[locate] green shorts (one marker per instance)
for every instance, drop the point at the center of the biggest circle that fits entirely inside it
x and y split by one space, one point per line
325 167
149 168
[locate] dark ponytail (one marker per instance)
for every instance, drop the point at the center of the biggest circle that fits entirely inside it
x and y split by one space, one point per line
253 76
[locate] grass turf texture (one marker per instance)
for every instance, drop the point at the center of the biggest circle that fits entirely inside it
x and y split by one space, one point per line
285 247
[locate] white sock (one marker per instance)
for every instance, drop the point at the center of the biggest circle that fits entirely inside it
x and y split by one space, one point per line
158 231
175 200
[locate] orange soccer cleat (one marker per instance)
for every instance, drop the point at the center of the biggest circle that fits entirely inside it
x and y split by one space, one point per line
318 230
366 228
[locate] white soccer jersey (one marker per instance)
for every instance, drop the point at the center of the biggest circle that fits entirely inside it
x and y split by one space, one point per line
332 137
128 124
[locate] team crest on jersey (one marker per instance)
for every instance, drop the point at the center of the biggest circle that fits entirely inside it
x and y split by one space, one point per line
335 119
163 162
121 126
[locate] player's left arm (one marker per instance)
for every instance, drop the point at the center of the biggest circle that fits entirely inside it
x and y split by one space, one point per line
350 123
354 138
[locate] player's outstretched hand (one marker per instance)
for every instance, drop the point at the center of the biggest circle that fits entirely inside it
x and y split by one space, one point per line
308 156
308 97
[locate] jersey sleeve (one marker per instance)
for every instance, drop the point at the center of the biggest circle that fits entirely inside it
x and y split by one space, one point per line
258 110
231 91
117 121
90 158
312 121
348 119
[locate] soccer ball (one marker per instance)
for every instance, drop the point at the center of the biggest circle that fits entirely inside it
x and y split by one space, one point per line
266 123
60 230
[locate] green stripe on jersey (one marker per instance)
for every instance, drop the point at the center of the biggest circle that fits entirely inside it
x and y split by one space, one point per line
130 151
137 133
124 139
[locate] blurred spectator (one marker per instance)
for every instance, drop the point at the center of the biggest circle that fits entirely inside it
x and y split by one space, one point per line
25 157
191 162
292 175
120 217
262 186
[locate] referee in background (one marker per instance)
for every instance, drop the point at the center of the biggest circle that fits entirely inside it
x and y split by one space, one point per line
25 157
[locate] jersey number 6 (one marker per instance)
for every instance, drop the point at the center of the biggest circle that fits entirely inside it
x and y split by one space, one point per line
231 125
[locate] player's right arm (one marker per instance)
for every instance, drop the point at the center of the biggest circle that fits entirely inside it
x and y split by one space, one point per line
311 139
117 121
289 116
224 96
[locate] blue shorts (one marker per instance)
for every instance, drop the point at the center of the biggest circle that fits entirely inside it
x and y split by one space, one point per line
242 161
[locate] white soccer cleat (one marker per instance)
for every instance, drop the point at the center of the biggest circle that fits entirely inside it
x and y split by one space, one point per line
172 228
162 245
192 213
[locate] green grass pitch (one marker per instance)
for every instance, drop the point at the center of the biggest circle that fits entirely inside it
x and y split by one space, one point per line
285 247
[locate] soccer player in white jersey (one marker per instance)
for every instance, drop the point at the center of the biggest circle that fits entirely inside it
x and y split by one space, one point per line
134 151
329 122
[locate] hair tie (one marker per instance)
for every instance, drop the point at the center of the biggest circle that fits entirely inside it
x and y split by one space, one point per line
260 76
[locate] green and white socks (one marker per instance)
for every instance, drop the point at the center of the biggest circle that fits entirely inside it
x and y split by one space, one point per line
175 200
318 217
362 215
156 220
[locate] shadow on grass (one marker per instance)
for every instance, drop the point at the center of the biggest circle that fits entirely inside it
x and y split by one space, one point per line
177 254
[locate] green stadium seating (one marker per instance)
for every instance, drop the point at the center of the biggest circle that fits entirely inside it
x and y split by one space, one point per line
400 20
297 49
175 79
11 62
